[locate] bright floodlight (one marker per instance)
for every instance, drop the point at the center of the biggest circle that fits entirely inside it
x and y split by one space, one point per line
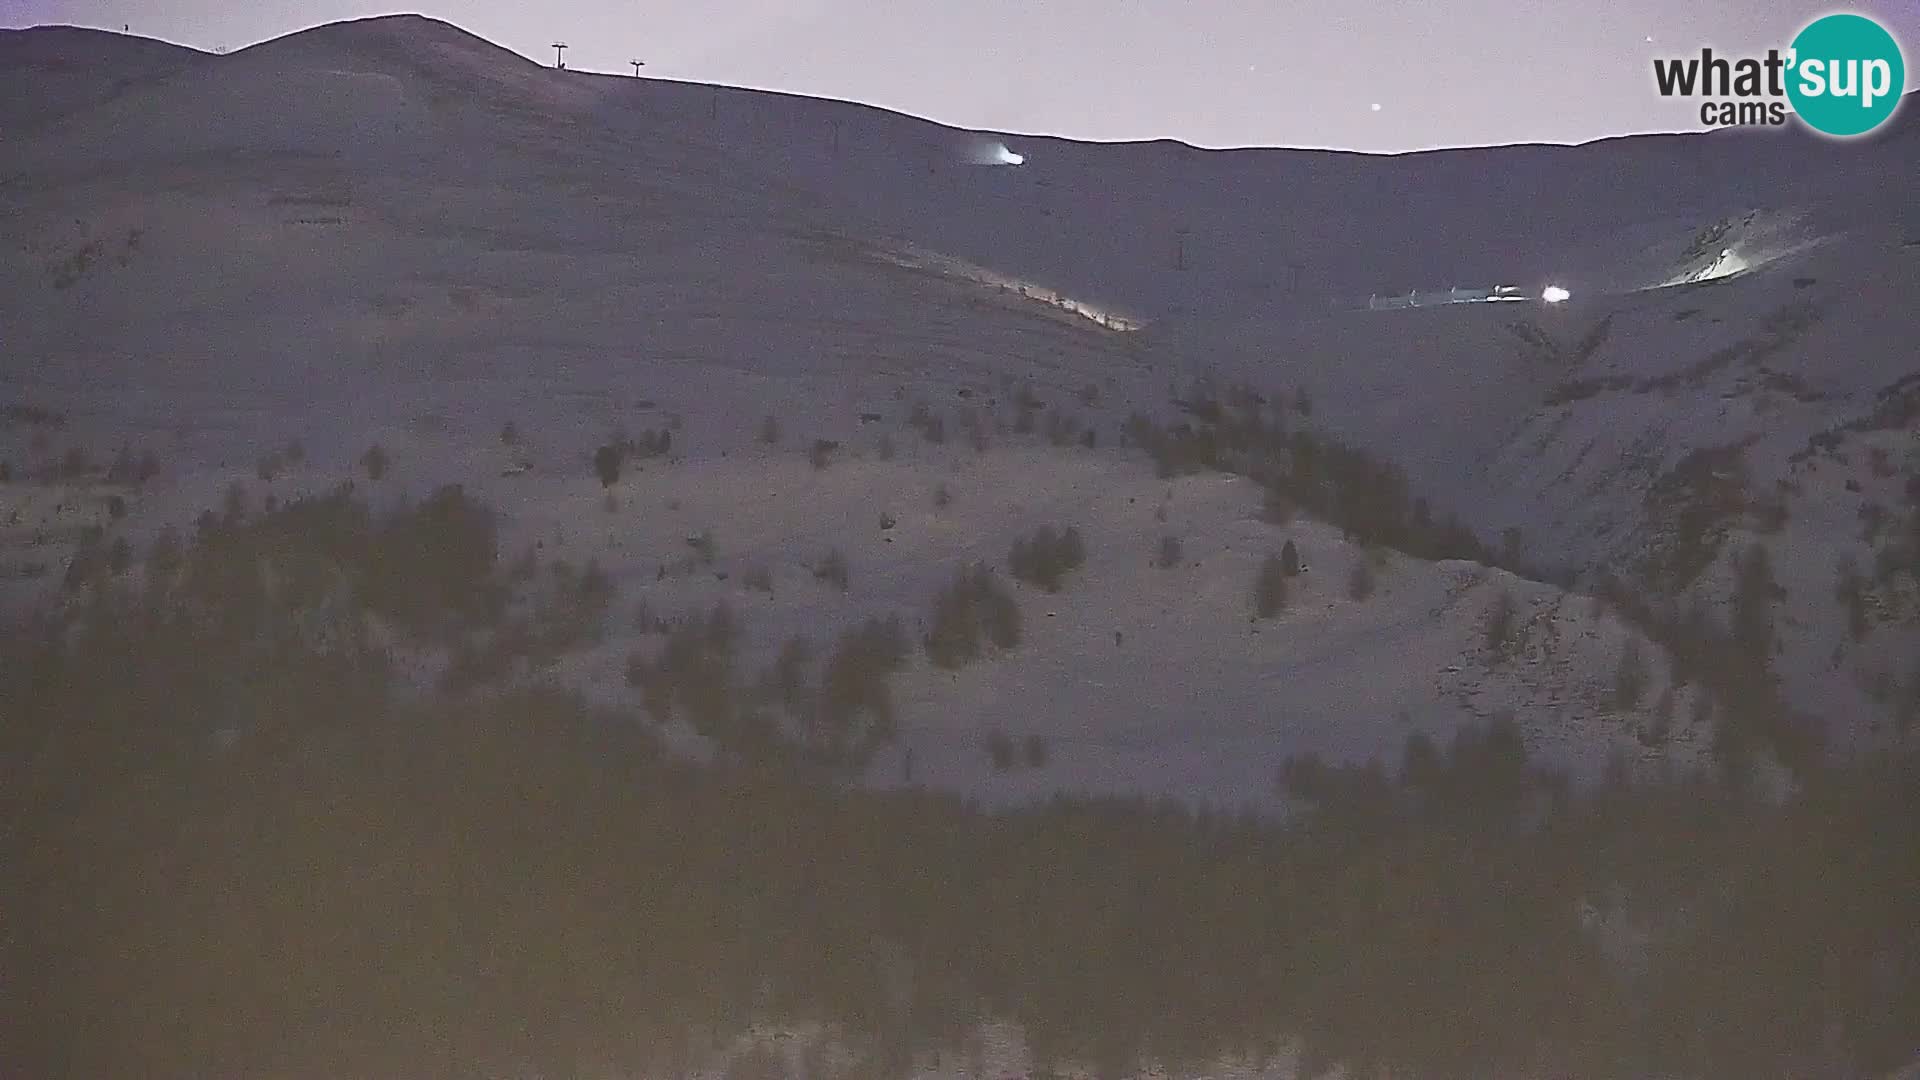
992 152
1554 294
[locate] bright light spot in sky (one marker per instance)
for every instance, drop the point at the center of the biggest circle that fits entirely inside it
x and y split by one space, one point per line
1554 294
1376 106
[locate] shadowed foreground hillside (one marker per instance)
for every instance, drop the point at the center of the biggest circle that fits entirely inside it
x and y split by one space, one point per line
474 884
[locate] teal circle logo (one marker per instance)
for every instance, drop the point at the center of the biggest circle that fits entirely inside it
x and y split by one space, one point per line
1846 75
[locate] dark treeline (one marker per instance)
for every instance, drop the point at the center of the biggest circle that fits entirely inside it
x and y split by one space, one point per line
234 850
1247 432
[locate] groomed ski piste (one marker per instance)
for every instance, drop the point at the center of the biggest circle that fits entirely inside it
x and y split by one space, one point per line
912 257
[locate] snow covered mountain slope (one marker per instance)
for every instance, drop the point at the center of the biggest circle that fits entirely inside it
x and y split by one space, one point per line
50 73
391 232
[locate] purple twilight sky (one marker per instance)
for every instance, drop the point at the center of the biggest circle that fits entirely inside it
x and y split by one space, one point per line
1209 72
